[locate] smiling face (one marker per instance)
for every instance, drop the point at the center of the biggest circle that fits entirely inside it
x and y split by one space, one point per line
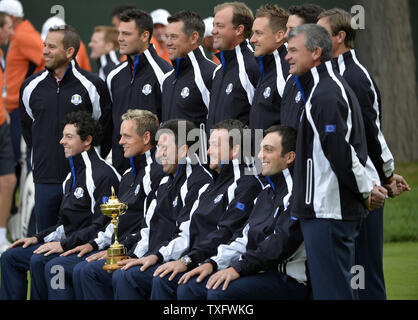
219 150
224 32
263 38
178 43
300 59
72 143
167 153
54 53
271 154
133 144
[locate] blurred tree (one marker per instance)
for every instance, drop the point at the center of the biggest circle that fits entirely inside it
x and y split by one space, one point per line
386 49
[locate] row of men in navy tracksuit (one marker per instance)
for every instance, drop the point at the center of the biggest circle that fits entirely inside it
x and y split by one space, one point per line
240 88
180 214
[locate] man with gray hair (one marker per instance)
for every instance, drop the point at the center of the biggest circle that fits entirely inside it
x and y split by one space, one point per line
331 188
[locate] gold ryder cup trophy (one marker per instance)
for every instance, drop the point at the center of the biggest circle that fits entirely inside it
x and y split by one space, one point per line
113 208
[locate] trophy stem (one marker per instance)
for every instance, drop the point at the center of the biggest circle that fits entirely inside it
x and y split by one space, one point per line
115 228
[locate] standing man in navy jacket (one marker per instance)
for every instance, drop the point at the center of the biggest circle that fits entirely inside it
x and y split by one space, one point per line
186 90
369 243
235 79
269 29
331 189
45 99
135 83
90 180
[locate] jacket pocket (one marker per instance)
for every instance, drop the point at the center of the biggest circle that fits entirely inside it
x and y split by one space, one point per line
308 194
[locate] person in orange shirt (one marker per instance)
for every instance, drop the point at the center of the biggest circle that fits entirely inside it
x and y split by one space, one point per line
82 57
7 169
158 39
24 58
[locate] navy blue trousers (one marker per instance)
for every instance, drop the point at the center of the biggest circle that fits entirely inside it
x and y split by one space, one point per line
48 198
369 255
330 250
95 283
269 285
133 284
14 266
67 265
164 289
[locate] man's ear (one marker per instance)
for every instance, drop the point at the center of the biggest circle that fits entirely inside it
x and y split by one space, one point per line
290 158
195 37
145 36
236 151
146 137
88 142
183 150
341 35
317 54
239 30
69 52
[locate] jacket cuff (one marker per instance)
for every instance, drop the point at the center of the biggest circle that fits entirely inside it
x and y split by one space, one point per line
213 263
94 245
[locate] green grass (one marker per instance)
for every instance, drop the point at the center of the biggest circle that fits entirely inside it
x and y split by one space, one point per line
400 265
401 213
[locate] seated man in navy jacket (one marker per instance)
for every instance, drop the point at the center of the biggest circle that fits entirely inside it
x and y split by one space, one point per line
80 218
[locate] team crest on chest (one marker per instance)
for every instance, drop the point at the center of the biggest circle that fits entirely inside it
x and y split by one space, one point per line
147 89
229 88
298 97
78 193
185 92
76 99
267 92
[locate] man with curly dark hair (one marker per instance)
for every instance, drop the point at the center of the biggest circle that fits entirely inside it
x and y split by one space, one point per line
89 182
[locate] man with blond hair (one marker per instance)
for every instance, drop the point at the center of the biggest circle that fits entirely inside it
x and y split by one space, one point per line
103 45
235 79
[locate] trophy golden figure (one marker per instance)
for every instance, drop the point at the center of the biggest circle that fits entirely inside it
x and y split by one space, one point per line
113 208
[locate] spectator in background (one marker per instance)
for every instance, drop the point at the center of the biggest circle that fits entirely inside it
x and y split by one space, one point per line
82 56
7 168
207 42
159 18
103 45
24 58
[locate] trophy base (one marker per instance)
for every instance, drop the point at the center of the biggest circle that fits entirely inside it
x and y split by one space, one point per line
115 254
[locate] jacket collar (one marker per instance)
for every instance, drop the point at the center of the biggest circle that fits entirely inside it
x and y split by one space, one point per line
141 59
181 64
227 56
141 161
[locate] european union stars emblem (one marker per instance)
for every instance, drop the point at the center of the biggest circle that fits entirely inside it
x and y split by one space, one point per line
240 206
329 128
